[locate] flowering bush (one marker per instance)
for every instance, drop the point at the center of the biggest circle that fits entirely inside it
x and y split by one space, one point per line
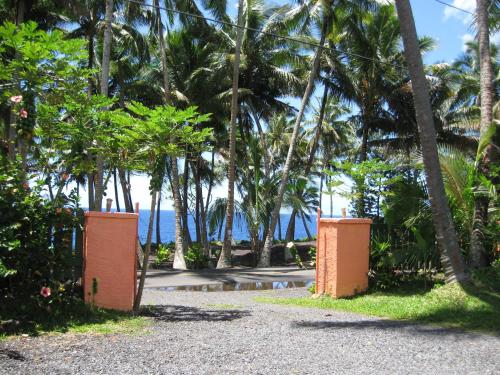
35 246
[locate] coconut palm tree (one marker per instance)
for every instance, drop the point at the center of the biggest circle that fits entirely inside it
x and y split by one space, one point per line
321 14
445 231
302 198
477 250
225 255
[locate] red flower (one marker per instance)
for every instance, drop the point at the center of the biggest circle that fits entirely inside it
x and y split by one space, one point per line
45 291
23 113
16 98
65 176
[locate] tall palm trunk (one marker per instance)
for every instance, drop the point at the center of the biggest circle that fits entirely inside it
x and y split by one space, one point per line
147 250
106 56
179 262
185 193
478 256
445 231
265 148
304 221
290 229
225 255
315 144
265 259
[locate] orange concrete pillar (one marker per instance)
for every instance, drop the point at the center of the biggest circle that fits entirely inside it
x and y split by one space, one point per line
342 256
109 271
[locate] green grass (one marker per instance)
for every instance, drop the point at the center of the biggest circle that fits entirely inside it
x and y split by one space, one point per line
473 307
79 319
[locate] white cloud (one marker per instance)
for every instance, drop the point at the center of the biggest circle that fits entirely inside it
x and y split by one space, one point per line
495 38
466 38
468 5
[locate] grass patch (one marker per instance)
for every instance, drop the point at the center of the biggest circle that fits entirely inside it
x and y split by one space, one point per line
77 319
473 307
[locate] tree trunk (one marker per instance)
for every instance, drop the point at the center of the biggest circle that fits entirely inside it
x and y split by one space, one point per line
290 229
364 142
210 182
158 211
320 190
115 183
147 250
265 149
445 231
309 237
265 259
125 190
200 208
106 56
185 188
90 187
279 228
314 147
225 255
179 262
478 256
197 203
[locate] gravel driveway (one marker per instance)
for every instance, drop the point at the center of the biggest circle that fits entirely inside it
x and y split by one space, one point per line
228 333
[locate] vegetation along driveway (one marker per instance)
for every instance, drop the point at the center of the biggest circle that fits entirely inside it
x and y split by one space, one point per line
231 333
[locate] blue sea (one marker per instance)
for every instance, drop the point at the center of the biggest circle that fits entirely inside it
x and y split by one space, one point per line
240 232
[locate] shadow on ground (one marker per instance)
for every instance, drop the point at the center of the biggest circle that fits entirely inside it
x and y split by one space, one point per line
11 354
177 313
385 325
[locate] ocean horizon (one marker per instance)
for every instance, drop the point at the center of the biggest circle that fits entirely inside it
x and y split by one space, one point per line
240 232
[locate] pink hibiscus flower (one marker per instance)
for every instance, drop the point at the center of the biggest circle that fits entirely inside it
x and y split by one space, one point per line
45 291
23 113
16 98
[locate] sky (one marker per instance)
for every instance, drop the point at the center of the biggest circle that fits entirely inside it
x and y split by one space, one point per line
449 27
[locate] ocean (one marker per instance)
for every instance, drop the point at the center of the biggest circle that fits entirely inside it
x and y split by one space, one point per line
240 232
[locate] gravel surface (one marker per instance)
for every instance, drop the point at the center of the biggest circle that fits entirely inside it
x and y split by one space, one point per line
229 333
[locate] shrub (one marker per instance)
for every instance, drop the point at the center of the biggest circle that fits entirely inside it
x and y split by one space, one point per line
194 257
162 254
36 238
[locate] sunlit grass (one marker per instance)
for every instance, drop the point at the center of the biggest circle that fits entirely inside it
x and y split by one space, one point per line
474 306
81 319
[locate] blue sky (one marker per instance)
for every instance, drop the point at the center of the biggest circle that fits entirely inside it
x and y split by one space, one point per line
449 27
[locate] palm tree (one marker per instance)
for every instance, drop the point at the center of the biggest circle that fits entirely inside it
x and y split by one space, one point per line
106 55
445 231
477 251
265 259
302 198
225 255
